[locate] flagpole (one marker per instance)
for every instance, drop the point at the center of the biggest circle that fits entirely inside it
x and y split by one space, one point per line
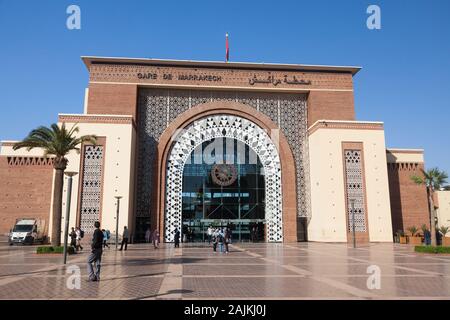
227 48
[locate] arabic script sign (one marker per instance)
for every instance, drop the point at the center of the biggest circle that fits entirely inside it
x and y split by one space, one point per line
271 79
215 78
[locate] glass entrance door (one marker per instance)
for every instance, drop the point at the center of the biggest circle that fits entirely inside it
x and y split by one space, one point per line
223 185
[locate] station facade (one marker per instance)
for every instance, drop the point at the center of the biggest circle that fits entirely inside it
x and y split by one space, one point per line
271 148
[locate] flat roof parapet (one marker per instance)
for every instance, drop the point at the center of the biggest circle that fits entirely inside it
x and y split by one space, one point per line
90 60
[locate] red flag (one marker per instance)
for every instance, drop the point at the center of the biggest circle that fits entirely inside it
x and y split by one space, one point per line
227 52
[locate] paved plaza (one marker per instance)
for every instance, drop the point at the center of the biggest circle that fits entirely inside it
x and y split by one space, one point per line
249 271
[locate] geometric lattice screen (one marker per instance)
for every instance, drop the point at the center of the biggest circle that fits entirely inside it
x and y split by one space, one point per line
224 126
355 190
157 108
91 187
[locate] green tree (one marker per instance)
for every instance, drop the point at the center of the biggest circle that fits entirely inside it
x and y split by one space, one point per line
58 142
433 179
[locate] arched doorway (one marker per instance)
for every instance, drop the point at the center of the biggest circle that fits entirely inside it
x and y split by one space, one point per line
220 127
224 186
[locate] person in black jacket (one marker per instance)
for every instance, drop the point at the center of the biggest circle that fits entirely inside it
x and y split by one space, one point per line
177 238
73 238
96 255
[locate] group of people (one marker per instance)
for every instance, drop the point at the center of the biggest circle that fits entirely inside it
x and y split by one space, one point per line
219 237
148 235
76 235
188 234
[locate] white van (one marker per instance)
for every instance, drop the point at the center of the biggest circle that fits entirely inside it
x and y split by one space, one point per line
27 231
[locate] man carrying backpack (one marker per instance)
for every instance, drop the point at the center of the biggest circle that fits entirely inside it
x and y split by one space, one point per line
105 238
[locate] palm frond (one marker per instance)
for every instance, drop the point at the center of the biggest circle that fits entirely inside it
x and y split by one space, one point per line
55 140
74 130
418 180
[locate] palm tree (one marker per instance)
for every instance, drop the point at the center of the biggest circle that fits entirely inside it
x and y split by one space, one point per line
433 179
57 142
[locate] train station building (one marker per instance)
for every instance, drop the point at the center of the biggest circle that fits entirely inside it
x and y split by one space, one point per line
275 148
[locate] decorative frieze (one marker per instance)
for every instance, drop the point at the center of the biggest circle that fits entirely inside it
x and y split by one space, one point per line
350 125
218 77
96 119
30 161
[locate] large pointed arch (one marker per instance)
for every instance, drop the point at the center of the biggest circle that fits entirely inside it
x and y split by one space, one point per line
288 182
224 126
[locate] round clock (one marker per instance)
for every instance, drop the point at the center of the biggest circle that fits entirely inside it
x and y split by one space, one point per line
223 174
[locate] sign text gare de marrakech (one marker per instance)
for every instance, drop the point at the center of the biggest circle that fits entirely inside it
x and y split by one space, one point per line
270 79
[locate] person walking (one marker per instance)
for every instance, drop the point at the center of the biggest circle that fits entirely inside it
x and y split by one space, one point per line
427 236
215 240
80 235
189 233
209 233
155 239
95 258
230 235
148 235
227 239
221 241
73 238
184 231
177 238
125 236
105 239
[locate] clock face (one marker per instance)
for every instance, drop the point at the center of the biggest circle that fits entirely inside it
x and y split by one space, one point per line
223 174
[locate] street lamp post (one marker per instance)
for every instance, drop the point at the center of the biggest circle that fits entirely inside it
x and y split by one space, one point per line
70 175
117 220
352 205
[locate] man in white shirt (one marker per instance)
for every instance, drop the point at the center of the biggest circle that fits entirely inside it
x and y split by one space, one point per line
78 239
209 233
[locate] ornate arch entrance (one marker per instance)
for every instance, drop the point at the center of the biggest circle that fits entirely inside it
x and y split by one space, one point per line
204 110
231 127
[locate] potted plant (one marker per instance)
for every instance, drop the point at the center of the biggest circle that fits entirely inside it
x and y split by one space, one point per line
445 240
413 239
402 237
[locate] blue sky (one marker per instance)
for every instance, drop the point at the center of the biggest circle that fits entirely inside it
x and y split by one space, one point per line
405 80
